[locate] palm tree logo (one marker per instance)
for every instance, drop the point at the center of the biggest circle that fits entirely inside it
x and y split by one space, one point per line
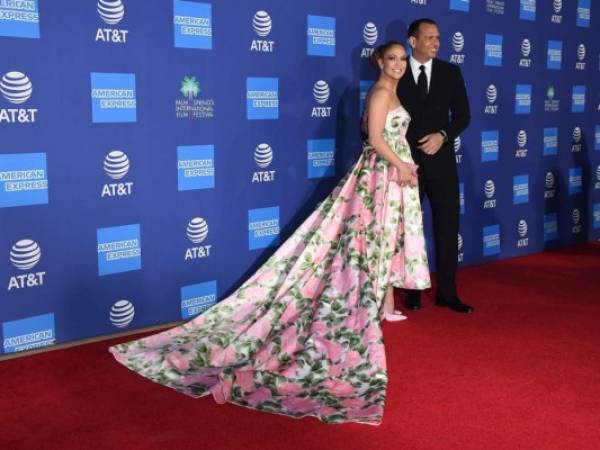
190 88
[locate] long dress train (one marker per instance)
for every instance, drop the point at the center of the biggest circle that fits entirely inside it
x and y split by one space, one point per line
301 336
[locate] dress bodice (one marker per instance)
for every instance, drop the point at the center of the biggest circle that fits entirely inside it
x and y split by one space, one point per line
394 133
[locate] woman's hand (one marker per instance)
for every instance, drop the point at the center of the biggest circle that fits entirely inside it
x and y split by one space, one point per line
407 174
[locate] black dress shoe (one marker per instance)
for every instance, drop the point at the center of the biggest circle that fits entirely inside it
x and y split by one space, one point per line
412 302
455 305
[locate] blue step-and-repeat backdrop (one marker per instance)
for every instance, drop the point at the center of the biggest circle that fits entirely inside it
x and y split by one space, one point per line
154 153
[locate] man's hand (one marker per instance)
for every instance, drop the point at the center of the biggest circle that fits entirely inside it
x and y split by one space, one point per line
431 143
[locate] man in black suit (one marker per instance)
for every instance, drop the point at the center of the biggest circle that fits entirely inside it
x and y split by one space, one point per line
433 92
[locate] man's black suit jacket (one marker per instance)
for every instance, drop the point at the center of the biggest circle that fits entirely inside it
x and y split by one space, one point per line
445 108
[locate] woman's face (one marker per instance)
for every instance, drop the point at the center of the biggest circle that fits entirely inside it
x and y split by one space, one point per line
393 63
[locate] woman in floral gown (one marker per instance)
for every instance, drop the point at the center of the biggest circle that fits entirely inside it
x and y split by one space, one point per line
302 336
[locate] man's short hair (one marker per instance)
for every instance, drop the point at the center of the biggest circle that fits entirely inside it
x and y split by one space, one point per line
413 28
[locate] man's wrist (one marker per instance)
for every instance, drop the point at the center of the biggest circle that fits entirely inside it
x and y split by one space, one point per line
444 135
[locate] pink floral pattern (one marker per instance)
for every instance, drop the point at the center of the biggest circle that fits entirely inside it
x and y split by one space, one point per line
301 337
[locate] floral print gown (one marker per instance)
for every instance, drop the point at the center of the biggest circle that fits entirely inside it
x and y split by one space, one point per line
302 337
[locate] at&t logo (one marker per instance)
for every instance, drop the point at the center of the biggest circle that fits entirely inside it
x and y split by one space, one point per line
461 255
525 60
121 313
576 218
457 145
370 37
489 189
16 88
523 240
522 144
580 64
557 7
197 232
597 184
577 144
263 157
116 166
321 95
111 12
491 94
550 192
458 44
262 25
24 255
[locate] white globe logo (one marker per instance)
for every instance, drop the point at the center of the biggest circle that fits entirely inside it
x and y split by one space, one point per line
489 188
576 135
557 5
576 216
263 155
321 91
522 139
370 33
121 313
525 47
262 23
491 93
598 172
460 242
457 144
581 52
549 180
116 164
25 254
458 42
111 11
522 228
16 87
197 230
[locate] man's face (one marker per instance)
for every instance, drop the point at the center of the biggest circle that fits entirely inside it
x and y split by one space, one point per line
427 42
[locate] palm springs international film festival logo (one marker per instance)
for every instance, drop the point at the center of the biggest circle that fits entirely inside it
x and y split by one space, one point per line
577 136
489 189
25 255
111 12
23 179
597 184
495 6
370 35
16 88
525 60
263 157
581 52
491 95
523 240
113 97
121 313
191 106
20 19
116 166
197 232
321 93
521 144
551 103
262 25
458 45
549 181
557 6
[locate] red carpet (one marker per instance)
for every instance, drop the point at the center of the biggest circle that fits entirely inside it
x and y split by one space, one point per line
523 372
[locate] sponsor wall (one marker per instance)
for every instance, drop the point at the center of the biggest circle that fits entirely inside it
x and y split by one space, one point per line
153 154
